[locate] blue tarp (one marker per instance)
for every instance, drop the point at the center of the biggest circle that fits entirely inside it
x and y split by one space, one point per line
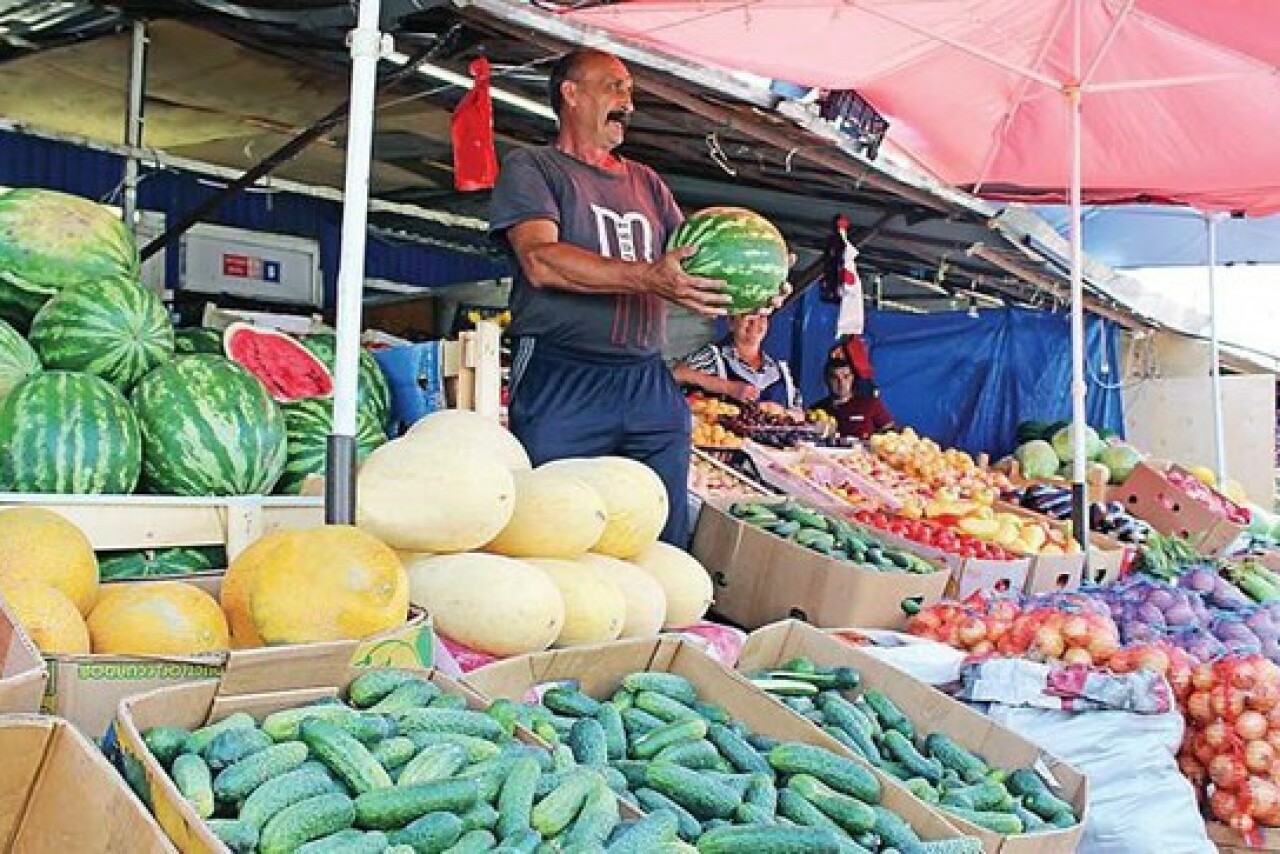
965 382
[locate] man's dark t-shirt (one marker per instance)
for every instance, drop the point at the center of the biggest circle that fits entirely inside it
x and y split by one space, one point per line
858 417
626 214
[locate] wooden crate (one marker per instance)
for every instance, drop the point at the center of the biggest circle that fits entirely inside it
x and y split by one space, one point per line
473 369
113 522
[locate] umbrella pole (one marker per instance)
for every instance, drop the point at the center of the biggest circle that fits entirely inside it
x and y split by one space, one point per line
1079 454
1219 440
340 462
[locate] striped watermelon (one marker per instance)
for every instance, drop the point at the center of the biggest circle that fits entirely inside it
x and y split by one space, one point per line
738 247
309 424
197 339
182 560
112 328
208 428
65 432
50 240
17 360
372 392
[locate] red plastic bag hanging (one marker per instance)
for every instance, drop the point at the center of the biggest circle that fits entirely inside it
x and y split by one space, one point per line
475 163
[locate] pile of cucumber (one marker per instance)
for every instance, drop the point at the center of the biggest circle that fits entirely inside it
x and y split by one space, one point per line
932 766
400 768
828 535
703 778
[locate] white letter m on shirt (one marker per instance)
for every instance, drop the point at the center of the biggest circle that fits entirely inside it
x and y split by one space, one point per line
628 236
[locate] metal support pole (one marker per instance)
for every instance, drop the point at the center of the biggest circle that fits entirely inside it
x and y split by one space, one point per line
1079 454
1219 438
367 45
134 121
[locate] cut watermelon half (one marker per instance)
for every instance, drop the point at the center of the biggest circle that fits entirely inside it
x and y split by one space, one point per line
288 370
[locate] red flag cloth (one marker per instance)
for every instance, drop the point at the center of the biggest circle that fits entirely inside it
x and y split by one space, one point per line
853 349
475 163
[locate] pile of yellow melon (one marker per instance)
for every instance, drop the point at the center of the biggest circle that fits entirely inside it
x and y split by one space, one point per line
329 583
510 559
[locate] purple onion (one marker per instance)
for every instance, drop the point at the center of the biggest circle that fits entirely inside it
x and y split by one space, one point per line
1203 579
1161 597
1181 614
1150 613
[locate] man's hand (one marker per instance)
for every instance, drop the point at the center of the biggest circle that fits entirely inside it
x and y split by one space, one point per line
742 391
705 296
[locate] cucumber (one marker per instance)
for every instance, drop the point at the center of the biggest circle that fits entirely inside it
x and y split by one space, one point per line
698 755
851 814
515 801
473 842
587 741
846 716
388 809
240 837
348 759
166 743
713 713
479 817
638 722
411 694
664 707
301 822
393 753
231 746
433 832
703 797
524 843
347 841
793 807
455 721
367 728
435 762
762 794
1036 796
570 701
737 750
477 749
645 835
752 814
688 827
988 796
615 734
893 831
284 725
891 717
510 714
449 701
195 783
673 685
844 775
921 788
1003 823
596 820
904 752
774 840
959 845
237 782
558 809
200 739
372 686
274 795
785 687
969 766
668 735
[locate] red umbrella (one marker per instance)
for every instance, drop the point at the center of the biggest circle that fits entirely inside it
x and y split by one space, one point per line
1050 100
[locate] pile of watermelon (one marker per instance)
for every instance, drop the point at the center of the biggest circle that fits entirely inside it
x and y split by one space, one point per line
98 394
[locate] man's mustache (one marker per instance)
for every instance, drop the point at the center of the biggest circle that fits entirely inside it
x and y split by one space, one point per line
622 117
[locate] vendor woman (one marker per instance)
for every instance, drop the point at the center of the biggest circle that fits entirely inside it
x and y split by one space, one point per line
739 368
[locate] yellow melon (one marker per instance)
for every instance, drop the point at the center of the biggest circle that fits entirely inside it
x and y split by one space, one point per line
634 498
334 582
488 603
41 545
557 514
157 618
419 496
646 600
461 430
688 586
47 615
594 608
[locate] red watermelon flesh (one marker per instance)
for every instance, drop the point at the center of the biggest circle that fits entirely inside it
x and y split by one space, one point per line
288 370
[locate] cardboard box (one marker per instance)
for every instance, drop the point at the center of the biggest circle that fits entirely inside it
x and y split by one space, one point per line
58 795
1231 842
22 671
1109 559
1150 496
1048 572
761 578
598 671
87 689
258 682
932 711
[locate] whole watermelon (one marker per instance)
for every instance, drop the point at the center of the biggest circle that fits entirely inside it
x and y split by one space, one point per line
68 433
50 240
309 424
208 428
372 392
740 248
17 359
197 339
112 328
181 560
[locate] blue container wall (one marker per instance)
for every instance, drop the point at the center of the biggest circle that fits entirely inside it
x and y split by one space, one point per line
965 382
32 162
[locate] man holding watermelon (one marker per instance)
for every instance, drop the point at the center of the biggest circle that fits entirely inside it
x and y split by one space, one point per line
587 229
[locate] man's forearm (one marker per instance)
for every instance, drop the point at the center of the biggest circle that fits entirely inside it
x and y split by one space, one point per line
569 268
686 375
